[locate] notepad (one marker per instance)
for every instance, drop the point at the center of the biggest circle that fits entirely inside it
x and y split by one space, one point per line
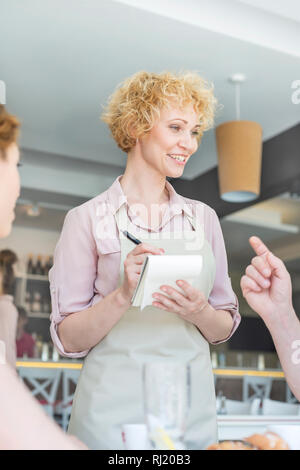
165 269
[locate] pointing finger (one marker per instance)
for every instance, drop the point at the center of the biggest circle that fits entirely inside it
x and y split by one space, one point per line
258 246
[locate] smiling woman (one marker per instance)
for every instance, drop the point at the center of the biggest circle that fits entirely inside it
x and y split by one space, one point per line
158 120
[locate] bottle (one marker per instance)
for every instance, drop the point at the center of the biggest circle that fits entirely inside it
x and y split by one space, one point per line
28 304
39 268
39 346
33 270
261 362
36 304
218 401
214 359
223 408
48 265
45 352
239 359
55 354
260 409
34 336
222 360
48 306
44 305
30 264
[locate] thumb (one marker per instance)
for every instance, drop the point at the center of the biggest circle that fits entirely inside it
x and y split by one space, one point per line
277 266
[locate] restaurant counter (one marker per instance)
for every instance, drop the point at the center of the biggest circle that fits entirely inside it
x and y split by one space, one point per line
231 372
229 381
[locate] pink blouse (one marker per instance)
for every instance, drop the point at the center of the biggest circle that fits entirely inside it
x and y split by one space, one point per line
87 256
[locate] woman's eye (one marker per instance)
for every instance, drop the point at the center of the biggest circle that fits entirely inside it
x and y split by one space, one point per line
176 128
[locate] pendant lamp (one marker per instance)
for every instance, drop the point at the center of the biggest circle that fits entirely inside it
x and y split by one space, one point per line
239 147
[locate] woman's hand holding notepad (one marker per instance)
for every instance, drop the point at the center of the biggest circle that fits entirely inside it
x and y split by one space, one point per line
167 269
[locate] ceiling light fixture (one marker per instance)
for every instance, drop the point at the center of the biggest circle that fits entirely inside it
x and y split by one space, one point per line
239 147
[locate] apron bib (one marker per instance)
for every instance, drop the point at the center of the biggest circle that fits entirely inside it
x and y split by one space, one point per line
109 392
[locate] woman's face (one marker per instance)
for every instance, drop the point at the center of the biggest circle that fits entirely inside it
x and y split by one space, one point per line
9 188
173 137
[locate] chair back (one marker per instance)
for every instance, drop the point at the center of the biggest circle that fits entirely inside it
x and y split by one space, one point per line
256 387
235 407
43 384
289 396
69 381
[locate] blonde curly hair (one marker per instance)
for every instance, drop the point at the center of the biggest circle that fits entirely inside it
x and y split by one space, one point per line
135 105
9 129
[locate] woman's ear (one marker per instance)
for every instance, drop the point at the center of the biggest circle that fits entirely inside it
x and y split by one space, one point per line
132 131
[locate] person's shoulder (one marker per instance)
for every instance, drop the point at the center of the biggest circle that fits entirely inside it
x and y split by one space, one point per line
6 298
89 208
8 301
8 306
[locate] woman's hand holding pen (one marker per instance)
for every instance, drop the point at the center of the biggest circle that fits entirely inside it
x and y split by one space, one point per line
189 305
266 285
133 266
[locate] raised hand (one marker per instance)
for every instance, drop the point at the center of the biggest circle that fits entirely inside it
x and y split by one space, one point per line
266 285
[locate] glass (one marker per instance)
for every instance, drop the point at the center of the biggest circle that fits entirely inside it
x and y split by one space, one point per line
261 362
166 387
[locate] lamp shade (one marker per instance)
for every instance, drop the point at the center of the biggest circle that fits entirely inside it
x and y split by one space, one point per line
239 147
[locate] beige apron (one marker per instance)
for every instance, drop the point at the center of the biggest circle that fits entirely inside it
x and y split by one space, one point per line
109 391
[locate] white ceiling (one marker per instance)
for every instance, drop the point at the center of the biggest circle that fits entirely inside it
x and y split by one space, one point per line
285 8
61 59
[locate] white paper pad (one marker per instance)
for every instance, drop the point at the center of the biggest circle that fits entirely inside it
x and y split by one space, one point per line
165 270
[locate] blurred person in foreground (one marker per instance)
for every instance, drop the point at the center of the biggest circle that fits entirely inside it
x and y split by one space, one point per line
8 311
24 340
267 288
17 407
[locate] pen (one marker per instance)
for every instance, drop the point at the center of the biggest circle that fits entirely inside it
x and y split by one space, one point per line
131 237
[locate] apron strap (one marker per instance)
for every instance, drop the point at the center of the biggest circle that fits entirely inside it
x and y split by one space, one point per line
197 217
198 227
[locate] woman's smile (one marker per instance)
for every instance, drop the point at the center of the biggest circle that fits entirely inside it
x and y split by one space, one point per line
178 159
